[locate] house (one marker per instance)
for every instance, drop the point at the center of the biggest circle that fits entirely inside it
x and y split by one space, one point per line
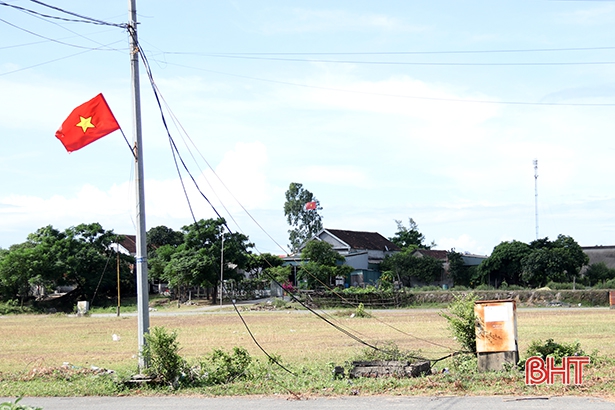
127 246
364 251
445 280
599 254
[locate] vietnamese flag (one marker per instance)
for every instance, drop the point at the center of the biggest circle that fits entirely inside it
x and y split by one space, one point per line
87 123
310 206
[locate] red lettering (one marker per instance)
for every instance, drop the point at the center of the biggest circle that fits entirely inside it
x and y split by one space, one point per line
535 365
538 372
563 371
578 362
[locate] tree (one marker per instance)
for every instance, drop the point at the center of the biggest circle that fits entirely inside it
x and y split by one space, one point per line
78 257
461 274
305 222
409 237
323 263
598 272
197 261
162 235
557 261
405 266
505 263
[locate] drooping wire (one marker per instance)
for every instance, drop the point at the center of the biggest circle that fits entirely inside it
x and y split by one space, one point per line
271 358
321 316
54 40
82 19
166 127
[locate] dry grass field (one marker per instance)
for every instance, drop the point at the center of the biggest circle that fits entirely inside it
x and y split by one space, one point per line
297 336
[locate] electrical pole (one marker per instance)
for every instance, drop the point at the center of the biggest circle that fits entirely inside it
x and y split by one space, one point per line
536 194
141 256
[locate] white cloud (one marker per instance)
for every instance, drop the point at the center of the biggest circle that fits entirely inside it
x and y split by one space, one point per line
304 20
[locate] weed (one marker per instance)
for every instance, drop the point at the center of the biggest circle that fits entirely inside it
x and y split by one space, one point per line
161 353
549 348
360 311
16 406
222 368
462 321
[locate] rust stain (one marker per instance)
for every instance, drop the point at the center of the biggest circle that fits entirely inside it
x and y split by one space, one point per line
496 327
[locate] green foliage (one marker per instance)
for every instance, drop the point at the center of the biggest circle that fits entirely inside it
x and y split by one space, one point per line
597 273
565 286
161 352
406 266
549 348
304 223
222 367
504 263
462 320
197 261
464 363
16 406
360 311
409 238
321 253
609 284
76 257
536 264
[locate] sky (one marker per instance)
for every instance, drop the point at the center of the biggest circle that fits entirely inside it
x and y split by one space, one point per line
385 111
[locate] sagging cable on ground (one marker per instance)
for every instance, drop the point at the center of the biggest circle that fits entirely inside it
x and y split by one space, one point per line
271 358
338 327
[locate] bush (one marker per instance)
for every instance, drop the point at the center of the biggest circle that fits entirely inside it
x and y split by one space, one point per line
609 284
564 286
161 353
553 349
222 367
462 321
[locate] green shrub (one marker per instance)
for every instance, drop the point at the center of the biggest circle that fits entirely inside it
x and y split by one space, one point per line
161 353
549 348
609 284
564 286
222 368
462 321
360 311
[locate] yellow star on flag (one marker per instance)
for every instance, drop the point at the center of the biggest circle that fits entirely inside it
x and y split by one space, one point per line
85 123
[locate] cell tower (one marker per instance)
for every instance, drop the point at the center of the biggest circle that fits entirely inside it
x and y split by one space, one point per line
536 194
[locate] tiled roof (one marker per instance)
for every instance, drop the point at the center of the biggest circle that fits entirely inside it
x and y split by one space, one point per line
433 253
364 240
130 243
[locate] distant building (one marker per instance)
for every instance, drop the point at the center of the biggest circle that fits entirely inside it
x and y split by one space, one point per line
364 251
598 254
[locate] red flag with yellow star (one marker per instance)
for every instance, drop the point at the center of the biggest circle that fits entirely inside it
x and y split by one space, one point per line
87 123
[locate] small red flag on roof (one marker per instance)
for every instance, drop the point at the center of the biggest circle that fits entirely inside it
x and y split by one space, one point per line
87 123
310 206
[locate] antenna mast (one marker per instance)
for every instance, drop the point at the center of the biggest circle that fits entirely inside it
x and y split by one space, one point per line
536 194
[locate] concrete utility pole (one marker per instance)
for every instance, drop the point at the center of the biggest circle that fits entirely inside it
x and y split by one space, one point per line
536 194
141 257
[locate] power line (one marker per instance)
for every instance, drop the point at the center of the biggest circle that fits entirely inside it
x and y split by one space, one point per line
82 18
459 100
247 57
54 40
527 50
